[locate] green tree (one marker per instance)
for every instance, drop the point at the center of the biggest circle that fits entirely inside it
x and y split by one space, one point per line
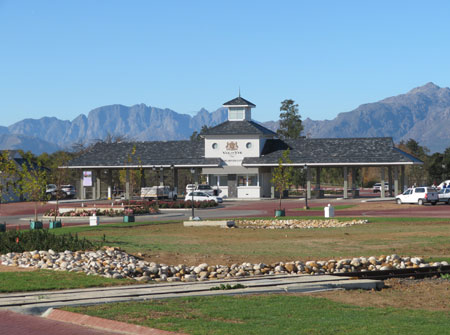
8 173
290 121
32 182
282 174
197 135
417 174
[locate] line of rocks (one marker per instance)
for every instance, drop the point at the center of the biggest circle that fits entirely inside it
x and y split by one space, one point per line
114 263
296 223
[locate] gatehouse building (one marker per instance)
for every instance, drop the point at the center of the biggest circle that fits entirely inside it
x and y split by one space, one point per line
239 155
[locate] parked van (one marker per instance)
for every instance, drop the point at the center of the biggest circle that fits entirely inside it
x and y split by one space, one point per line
418 195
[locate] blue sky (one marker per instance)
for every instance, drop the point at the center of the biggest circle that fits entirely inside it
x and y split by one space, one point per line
64 58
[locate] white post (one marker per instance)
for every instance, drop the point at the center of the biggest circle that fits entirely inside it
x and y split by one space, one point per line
383 193
345 182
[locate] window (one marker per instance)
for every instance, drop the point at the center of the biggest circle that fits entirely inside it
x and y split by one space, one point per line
242 180
223 180
218 180
248 180
420 190
252 180
236 114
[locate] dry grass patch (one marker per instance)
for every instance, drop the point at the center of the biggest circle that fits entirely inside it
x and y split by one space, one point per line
427 294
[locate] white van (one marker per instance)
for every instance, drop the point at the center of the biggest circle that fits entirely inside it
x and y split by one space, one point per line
418 195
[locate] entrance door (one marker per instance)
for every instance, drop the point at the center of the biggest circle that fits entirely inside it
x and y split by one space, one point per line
232 189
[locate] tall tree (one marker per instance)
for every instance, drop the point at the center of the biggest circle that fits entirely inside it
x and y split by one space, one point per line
282 174
32 182
290 121
8 174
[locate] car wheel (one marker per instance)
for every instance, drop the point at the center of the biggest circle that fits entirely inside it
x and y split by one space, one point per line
399 201
420 202
433 203
448 201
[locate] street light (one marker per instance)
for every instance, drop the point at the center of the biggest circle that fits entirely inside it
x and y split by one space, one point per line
305 169
192 193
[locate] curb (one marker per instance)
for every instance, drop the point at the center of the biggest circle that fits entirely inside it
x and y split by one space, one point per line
102 324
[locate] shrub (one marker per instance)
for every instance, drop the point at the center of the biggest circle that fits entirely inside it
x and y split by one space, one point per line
28 240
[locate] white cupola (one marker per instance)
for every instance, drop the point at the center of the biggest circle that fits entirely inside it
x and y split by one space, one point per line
239 109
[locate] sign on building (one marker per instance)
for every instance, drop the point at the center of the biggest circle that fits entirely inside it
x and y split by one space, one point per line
87 178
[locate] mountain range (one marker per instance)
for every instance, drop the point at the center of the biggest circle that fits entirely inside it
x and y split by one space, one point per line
422 114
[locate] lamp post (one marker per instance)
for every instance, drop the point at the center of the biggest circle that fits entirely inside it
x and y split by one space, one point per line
192 192
305 169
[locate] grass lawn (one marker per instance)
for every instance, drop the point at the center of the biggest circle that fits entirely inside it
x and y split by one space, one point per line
53 280
171 243
271 314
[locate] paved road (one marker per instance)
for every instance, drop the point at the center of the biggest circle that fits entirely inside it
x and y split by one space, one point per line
13 216
19 324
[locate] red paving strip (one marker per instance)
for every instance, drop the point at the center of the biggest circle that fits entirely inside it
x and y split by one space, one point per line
104 324
19 324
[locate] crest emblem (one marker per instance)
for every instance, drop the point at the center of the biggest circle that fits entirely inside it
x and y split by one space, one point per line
232 146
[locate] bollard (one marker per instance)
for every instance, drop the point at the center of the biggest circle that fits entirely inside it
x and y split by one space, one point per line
328 211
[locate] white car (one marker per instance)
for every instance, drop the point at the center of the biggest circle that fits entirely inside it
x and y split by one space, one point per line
69 190
418 195
377 187
203 188
444 195
202 196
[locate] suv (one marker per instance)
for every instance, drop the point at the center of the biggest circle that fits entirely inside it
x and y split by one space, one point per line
69 190
418 195
377 187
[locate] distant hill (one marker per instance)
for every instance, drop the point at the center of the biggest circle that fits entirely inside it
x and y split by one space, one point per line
26 143
138 122
422 114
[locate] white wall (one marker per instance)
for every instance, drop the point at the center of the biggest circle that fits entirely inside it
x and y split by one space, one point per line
248 192
232 151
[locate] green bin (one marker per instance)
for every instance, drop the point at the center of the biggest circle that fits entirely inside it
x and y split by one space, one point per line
36 225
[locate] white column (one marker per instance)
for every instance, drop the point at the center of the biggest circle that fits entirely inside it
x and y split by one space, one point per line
272 187
395 180
345 182
161 177
383 193
308 183
127 184
81 189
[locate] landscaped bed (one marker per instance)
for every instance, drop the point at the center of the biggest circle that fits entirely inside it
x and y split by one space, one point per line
128 207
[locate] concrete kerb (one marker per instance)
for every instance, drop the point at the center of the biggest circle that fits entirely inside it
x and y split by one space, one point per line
102 324
36 303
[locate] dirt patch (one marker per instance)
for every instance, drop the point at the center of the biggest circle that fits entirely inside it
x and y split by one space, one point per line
427 294
4 268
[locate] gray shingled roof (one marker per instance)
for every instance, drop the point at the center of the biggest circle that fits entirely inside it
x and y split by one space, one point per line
177 153
329 151
317 151
239 128
239 102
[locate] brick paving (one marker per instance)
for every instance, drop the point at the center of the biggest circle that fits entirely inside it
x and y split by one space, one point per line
19 324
